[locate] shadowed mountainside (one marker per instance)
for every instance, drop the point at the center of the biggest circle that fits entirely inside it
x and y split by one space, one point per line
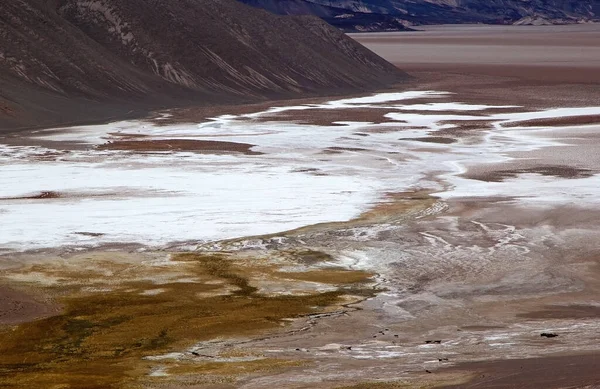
79 60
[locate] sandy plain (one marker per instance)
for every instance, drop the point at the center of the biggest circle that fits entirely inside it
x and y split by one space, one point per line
468 229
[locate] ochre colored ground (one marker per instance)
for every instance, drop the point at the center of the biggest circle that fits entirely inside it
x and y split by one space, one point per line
116 314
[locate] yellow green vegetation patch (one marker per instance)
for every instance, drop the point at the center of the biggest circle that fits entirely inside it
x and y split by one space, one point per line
228 368
115 314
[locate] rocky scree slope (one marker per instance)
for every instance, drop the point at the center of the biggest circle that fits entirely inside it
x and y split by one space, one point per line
79 60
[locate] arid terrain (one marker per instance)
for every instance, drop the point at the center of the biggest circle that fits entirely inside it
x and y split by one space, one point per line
438 234
67 62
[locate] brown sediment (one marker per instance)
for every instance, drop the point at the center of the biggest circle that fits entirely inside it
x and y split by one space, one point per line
330 117
311 257
262 365
344 149
198 114
432 139
425 112
440 380
461 127
481 328
575 311
127 135
115 314
327 275
20 307
92 234
391 129
554 171
554 372
40 196
425 150
50 195
206 146
398 205
477 83
374 115
547 55
556 122
311 115
379 385
537 73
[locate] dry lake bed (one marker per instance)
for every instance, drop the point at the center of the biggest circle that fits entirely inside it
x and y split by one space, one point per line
443 233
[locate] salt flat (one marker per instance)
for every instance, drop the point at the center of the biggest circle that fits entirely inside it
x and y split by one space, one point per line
466 216
301 174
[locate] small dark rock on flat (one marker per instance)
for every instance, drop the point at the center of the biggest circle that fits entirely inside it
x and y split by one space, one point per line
548 335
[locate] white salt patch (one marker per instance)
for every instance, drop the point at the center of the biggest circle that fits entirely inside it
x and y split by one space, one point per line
159 372
429 121
176 356
152 292
158 198
533 189
387 97
548 114
207 203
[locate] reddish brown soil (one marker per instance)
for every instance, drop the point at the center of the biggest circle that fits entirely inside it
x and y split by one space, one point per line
543 55
434 139
555 171
18 307
345 148
563 121
564 312
41 196
205 146
557 372
328 117
465 127
124 135
481 328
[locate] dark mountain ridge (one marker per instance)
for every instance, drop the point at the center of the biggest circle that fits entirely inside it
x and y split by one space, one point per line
363 15
76 60
346 19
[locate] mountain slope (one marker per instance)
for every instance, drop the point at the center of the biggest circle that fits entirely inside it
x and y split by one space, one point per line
415 12
59 57
347 19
